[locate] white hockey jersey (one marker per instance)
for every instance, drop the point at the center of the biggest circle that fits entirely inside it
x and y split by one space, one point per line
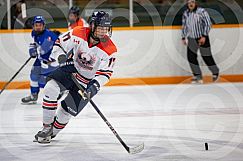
91 62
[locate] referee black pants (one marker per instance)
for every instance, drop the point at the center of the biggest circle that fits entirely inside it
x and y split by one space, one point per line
206 54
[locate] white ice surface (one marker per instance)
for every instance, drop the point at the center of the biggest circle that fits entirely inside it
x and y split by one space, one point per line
173 121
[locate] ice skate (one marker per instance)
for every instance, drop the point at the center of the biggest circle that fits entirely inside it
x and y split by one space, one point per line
215 77
36 138
196 80
45 135
32 99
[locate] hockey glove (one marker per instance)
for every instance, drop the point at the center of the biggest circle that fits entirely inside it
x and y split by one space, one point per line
33 50
92 88
62 59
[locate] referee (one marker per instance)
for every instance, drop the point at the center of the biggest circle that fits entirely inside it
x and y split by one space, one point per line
196 25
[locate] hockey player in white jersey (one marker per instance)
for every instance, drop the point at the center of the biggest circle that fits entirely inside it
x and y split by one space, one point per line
88 55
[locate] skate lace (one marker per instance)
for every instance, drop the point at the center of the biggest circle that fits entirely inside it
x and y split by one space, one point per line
28 98
46 129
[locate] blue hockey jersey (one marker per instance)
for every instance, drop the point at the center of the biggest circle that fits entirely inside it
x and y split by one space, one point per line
45 40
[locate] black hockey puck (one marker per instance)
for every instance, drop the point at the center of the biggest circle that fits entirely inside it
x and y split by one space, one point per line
206 146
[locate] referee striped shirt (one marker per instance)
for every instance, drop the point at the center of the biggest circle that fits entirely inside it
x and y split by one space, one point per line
196 23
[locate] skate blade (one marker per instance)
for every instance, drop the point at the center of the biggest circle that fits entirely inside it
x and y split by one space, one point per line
53 136
29 103
44 140
197 82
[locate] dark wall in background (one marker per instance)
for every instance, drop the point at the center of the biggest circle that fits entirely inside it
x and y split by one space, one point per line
146 13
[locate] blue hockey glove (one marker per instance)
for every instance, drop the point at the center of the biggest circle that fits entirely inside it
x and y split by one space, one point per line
92 88
33 50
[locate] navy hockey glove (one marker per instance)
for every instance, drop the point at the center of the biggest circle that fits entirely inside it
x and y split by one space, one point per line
33 50
92 88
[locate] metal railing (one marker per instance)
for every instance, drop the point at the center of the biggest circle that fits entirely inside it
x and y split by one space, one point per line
124 12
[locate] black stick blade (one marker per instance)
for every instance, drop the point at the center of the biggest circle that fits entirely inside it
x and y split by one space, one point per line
136 149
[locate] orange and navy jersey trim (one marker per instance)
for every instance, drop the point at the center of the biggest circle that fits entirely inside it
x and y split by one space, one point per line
106 73
81 78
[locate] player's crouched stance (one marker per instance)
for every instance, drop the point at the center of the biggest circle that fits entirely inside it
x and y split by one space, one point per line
90 61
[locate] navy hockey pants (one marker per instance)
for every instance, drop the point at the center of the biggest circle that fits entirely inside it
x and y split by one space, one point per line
73 103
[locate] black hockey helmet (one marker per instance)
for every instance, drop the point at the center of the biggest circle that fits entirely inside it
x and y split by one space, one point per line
100 18
74 10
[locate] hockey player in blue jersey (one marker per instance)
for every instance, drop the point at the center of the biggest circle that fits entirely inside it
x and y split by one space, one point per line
40 50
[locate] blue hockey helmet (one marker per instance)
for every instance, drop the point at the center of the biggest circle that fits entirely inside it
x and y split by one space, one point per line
38 19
